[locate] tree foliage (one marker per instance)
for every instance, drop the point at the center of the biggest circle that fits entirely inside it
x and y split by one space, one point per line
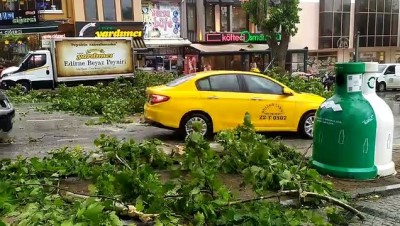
127 172
283 18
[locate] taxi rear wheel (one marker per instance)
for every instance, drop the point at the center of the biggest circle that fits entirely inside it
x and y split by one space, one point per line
203 120
306 125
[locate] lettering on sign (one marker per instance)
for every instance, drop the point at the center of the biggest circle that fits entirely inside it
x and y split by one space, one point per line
274 112
109 29
244 36
161 20
86 57
11 32
18 17
118 33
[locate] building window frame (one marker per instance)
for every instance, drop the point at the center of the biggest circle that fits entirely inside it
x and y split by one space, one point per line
193 6
382 27
337 15
228 18
107 8
213 27
122 11
85 10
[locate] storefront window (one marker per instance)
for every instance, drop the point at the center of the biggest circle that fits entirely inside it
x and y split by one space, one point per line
90 10
48 4
239 19
127 9
297 62
109 10
210 18
224 11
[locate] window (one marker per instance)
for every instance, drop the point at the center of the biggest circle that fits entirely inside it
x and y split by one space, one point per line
224 83
191 17
127 9
377 21
204 85
239 19
47 4
257 84
390 70
36 60
210 18
224 13
334 22
91 10
109 10
180 80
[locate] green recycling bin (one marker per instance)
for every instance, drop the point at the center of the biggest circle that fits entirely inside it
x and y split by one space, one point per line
345 129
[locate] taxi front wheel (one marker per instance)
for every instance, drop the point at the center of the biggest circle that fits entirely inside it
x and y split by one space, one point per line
202 120
306 125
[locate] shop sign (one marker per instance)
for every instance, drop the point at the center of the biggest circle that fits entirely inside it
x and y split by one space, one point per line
109 29
162 20
11 32
46 39
244 36
18 17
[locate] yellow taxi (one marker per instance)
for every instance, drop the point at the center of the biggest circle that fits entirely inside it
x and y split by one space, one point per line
218 100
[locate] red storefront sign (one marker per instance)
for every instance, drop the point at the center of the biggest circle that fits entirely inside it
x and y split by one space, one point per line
224 37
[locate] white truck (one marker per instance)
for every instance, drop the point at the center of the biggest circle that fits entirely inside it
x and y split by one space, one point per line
72 60
388 77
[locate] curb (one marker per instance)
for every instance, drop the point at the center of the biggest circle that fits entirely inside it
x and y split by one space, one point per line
382 191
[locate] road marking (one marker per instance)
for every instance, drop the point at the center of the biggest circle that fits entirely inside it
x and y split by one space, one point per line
73 139
45 120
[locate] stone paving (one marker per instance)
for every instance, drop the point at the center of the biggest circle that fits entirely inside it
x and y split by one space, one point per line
381 211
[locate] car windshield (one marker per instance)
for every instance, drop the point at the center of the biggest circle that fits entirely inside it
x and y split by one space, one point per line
23 59
180 80
381 68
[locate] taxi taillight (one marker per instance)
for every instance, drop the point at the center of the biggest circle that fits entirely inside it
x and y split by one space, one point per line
156 99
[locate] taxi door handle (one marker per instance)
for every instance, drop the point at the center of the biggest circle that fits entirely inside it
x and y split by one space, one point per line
256 98
212 97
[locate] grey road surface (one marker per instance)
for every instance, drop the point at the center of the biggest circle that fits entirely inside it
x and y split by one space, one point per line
35 133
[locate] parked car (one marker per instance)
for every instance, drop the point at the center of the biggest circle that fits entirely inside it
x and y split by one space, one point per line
218 100
7 114
387 77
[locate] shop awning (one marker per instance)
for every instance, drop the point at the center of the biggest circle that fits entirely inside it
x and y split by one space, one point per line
229 48
138 44
41 27
162 43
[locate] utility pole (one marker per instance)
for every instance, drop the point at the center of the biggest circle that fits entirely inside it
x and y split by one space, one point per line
356 52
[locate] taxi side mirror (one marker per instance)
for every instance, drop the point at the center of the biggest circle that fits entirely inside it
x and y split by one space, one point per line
287 91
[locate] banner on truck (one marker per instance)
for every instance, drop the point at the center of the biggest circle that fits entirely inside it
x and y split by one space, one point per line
93 57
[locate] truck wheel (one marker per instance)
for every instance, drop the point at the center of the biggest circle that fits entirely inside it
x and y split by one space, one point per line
381 87
25 86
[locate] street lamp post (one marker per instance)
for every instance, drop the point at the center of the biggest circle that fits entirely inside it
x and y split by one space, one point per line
356 52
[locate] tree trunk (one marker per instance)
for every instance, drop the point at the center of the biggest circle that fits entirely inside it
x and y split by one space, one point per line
279 51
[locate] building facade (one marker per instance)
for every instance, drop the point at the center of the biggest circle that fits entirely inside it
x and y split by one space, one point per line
223 38
26 24
329 29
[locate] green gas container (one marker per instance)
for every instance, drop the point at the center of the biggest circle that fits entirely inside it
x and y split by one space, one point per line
345 128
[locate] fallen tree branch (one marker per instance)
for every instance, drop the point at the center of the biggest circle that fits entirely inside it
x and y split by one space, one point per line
277 195
334 201
125 210
123 162
303 195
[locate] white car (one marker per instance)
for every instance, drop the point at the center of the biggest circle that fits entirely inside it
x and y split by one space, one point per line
7 114
388 77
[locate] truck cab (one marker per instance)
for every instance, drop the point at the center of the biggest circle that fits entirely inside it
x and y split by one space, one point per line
388 77
34 71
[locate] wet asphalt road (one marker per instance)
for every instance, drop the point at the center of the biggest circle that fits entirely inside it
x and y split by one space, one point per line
35 133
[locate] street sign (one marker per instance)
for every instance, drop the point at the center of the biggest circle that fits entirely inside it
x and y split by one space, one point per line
343 43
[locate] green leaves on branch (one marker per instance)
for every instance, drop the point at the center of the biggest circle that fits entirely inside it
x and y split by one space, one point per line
312 85
33 191
113 102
